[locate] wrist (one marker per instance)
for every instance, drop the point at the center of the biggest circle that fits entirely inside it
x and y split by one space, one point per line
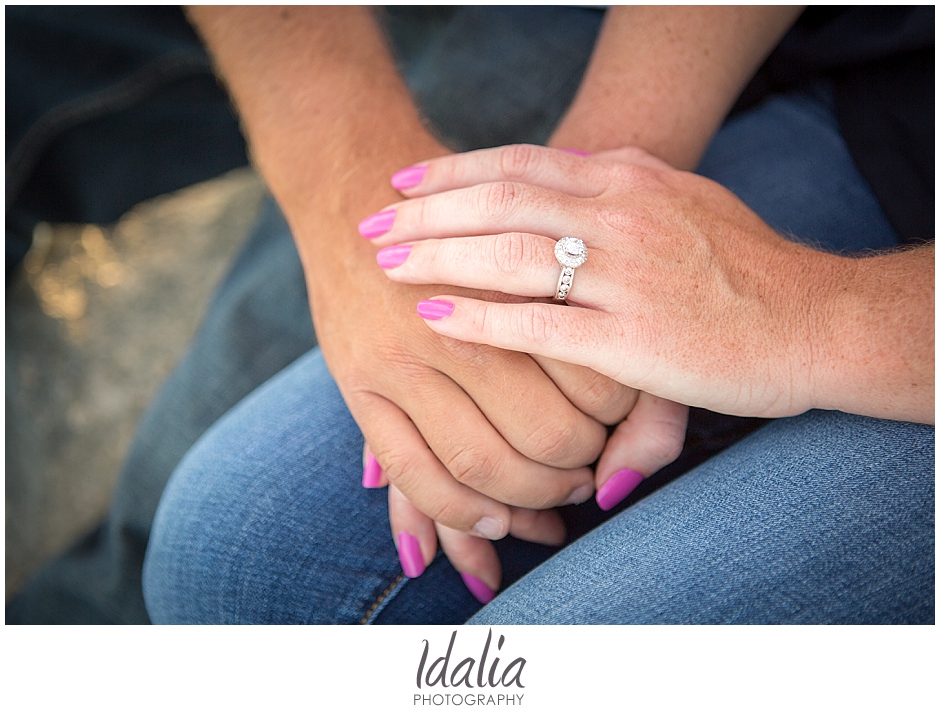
326 114
342 186
796 322
825 303
878 359
343 170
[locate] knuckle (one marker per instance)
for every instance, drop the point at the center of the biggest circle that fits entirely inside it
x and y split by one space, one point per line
637 332
518 160
497 200
357 379
634 155
437 257
555 440
400 469
461 354
473 466
605 399
631 174
621 221
419 213
535 324
402 362
511 253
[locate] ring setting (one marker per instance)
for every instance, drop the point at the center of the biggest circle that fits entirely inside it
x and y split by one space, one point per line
570 253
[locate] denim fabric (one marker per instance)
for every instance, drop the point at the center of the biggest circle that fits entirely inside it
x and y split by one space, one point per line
822 518
498 75
808 173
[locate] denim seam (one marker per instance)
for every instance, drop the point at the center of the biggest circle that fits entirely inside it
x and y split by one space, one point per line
382 600
118 96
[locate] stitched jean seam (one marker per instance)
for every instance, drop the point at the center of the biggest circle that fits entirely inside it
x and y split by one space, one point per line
383 599
390 592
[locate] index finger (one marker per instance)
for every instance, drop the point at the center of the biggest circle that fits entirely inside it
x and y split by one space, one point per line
532 164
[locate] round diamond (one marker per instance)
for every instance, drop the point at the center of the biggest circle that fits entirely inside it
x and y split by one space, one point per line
570 252
566 279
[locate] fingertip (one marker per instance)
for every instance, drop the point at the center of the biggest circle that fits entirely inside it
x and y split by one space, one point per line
553 535
410 555
542 526
580 494
409 178
478 588
618 487
474 559
377 224
435 309
394 256
371 473
490 528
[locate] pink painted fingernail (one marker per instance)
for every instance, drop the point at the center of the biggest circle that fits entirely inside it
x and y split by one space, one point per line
575 151
435 310
377 224
409 177
620 485
409 553
371 473
390 257
478 588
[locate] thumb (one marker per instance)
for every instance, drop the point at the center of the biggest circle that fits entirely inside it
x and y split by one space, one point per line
651 437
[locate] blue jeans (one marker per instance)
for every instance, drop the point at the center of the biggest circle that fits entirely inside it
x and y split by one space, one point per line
826 517
822 518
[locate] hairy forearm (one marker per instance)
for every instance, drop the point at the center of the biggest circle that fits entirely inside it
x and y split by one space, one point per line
877 338
663 78
326 114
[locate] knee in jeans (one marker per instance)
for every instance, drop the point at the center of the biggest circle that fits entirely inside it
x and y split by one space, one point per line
181 579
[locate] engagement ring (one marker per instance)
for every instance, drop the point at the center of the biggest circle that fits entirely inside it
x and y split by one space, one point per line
571 253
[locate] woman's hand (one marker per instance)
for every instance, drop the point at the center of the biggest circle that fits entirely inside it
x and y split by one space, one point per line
685 294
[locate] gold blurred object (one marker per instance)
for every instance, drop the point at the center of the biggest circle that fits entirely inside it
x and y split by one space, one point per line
61 297
61 269
95 320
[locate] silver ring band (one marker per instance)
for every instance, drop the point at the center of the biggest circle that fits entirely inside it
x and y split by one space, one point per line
565 279
571 253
